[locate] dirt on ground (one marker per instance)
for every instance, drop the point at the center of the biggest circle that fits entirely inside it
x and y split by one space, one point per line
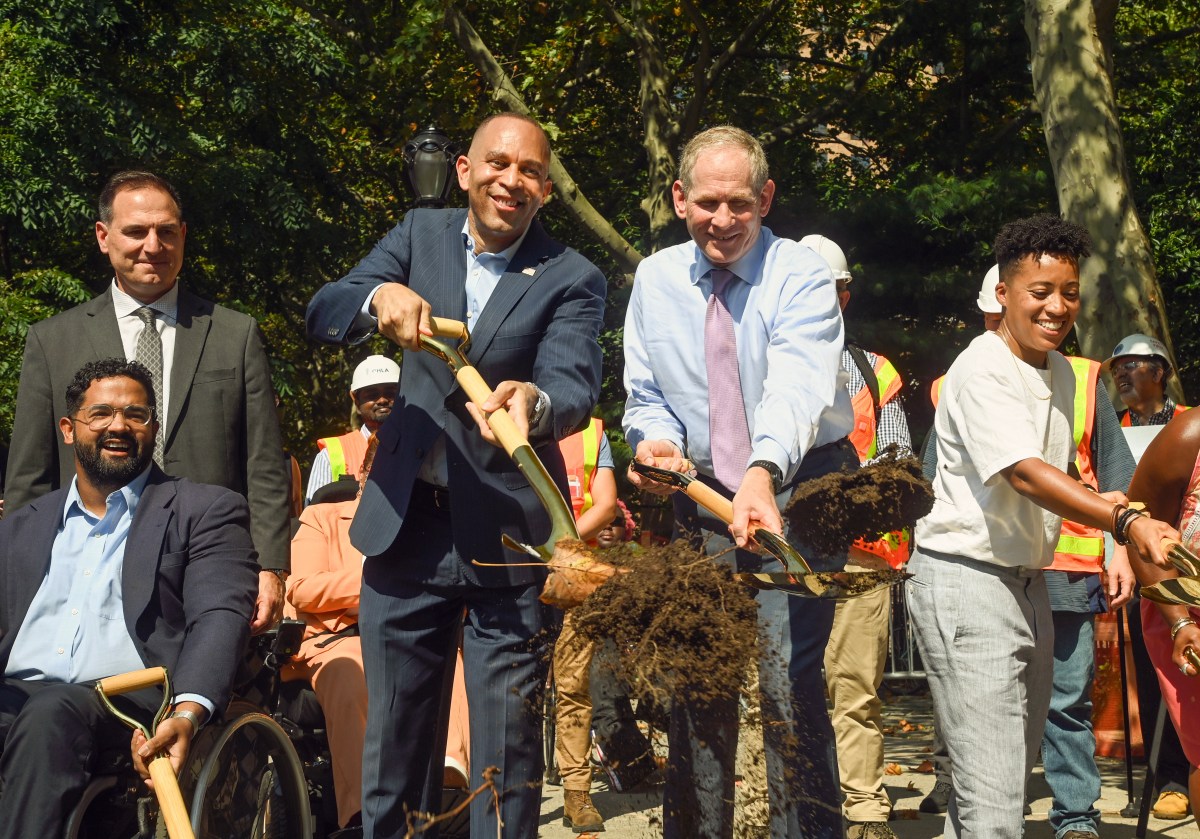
832 511
680 623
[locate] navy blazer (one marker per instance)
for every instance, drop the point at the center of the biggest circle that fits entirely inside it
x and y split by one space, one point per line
541 325
188 581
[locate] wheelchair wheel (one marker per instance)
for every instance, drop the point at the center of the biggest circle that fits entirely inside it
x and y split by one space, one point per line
249 783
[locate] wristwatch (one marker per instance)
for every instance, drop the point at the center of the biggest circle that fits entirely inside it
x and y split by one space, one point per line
539 407
774 471
281 573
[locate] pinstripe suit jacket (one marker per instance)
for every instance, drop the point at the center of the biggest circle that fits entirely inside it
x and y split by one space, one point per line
540 325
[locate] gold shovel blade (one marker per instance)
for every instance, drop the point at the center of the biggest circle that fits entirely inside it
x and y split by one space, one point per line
824 585
1183 591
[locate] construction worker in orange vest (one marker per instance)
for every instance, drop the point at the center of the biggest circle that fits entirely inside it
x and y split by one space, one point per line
1078 590
858 644
591 477
373 390
1140 369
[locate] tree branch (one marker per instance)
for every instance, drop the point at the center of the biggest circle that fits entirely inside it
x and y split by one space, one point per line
506 93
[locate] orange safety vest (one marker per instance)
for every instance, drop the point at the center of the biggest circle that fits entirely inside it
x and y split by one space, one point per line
1080 548
1126 423
892 547
580 452
346 453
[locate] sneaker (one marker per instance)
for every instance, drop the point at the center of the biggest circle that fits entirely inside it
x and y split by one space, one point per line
938 800
1171 805
579 813
869 830
1080 834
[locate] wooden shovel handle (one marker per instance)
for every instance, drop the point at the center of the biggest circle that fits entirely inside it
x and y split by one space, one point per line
170 799
446 328
710 499
499 421
135 680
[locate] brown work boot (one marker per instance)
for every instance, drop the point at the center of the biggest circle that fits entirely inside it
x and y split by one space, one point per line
1171 805
579 813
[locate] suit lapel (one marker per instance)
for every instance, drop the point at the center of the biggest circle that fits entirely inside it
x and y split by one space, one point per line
527 263
191 332
101 327
144 545
29 547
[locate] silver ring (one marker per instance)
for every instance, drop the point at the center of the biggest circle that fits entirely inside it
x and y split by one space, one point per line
1185 669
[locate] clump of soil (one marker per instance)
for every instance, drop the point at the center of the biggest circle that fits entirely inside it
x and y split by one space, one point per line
831 512
680 623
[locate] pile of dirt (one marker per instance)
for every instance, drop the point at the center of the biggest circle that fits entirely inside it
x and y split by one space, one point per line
831 512
679 621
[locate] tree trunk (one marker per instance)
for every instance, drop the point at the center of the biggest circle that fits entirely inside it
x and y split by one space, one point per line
1072 82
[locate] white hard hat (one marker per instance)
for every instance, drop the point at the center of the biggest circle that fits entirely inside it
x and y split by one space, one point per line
1139 344
986 301
828 250
375 370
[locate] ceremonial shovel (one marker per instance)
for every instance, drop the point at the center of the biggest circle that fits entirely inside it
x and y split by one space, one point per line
166 785
798 579
574 572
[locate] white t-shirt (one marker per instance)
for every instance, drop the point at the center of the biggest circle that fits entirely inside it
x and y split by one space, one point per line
994 411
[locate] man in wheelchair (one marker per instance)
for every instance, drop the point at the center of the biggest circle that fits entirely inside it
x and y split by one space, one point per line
127 568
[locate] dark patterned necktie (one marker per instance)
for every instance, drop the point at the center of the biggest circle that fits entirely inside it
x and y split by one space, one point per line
729 434
149 352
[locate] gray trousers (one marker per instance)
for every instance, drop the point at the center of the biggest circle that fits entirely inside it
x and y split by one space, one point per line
987 640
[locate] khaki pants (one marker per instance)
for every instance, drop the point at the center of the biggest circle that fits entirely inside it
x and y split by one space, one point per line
573 707
854 662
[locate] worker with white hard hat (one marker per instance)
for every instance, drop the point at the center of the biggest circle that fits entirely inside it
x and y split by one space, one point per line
1140 368
373 389
993 312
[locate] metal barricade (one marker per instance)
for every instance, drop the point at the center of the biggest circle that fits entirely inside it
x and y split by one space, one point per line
904 660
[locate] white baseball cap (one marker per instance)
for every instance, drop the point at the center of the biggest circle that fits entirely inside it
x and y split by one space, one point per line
986 301
1139 344
375 370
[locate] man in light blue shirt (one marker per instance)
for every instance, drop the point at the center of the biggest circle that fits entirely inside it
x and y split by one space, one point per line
779 319
125 568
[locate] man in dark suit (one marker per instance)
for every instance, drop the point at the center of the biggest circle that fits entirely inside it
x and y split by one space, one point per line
216 409
439 495
123 569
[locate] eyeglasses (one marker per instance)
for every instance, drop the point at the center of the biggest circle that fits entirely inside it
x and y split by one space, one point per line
1129 366
100 417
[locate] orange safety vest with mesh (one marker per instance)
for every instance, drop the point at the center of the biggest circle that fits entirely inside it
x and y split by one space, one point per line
892 547
581 451
1080 548
1125 422
346 453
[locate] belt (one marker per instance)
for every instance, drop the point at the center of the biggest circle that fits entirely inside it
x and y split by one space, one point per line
430 495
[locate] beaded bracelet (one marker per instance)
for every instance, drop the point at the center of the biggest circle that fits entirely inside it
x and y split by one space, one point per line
1180 624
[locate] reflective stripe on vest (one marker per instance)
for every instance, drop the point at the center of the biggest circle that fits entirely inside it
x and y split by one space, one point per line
337 457
346 453
581 452
1081 548
863 435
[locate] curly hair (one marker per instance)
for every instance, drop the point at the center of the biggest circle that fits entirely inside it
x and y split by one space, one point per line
1037 235
107 368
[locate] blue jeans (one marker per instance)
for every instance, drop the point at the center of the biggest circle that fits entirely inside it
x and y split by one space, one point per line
798 737
1069 744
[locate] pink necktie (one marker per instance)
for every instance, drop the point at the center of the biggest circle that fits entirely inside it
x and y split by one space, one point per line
729 435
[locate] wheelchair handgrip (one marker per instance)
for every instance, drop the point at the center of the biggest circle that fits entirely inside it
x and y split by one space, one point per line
135 680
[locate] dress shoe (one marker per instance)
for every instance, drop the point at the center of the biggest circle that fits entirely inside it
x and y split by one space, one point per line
938 799
869 830
579 813
1171 805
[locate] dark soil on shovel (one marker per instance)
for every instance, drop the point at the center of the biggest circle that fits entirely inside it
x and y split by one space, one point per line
832 511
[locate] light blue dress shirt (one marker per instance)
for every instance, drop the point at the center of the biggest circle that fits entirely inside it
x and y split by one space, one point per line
789 341
75 628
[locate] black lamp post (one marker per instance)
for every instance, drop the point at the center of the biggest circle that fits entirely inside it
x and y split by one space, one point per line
429 166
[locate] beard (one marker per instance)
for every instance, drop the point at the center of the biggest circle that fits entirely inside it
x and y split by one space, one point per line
113 474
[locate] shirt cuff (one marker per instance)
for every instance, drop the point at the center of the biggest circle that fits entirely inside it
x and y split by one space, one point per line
772 451
365 324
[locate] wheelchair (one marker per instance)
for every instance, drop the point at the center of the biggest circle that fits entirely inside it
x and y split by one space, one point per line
256 775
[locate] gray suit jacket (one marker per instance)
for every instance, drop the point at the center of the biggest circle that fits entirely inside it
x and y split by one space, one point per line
222 430
540 325
188 581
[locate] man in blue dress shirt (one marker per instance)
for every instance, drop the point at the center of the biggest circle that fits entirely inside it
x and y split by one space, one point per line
124 569
732 354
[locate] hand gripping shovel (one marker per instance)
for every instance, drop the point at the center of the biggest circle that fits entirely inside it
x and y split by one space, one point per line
798 579
166 785
574 573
